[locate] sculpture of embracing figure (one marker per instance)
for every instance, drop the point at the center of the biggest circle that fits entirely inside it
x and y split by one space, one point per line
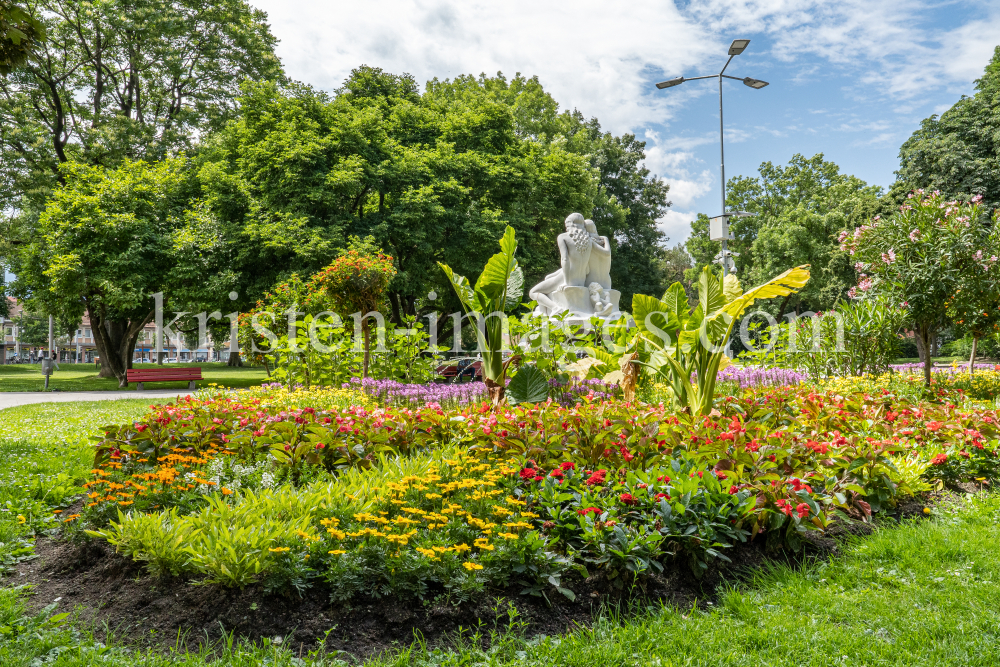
582 286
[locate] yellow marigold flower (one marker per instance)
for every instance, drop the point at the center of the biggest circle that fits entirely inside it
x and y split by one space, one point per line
21 518
279 550
337 552
461 548
432 496
471 566
508 536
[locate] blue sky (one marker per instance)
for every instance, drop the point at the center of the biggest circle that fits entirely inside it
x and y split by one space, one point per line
851 79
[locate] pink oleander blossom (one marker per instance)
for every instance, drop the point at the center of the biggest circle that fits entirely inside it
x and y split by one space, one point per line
915 235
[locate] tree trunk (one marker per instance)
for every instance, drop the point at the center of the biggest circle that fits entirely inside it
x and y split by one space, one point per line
924 334
234 360
115 343
972 359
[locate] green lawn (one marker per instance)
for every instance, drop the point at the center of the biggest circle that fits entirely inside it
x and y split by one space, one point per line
923 593
83 377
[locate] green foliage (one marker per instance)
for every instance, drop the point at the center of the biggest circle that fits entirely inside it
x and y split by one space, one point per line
123 80
852 339
686 340
798 211
497 291
958 153
529 385
20 34
106 243
923 259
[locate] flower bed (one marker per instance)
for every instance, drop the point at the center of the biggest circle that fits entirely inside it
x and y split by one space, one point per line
429 501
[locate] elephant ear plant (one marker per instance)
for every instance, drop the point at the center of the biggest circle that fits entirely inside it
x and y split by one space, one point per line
497 292
684 340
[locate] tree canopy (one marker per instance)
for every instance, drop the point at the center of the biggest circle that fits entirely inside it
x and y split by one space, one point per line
958 152
20 34
106 243
115 80
432 177
798 211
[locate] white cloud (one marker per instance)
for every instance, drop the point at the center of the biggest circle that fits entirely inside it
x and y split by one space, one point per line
677 225
587 55
602 59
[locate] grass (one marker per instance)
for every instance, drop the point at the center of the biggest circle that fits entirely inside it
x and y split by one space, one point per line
83 377
921 593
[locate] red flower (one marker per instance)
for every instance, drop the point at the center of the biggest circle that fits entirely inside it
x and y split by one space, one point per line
934 426
818 447
660 496
557 473
528 474
595 510
803 510
597 478
628 499
939 459
567 465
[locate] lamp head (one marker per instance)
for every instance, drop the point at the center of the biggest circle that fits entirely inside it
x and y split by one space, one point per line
754 83
738 46
670 83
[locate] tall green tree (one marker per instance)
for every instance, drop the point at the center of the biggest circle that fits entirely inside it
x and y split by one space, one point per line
798 211
627 201
958 152
123 79
431 178
108 240
20 34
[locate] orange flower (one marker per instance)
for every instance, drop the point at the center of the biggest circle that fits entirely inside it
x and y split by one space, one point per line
225 491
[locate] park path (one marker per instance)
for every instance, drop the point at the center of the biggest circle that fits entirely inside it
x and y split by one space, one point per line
14 398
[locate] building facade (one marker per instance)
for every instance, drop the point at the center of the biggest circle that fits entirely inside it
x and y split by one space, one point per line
80 348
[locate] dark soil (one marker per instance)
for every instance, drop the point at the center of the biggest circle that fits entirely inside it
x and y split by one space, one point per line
117 596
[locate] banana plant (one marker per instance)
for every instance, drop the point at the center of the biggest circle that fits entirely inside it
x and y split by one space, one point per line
682 340
497 292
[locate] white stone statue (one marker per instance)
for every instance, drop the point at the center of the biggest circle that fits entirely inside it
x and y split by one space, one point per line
599 267
585 260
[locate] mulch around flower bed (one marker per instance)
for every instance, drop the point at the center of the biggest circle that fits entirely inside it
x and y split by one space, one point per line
116 595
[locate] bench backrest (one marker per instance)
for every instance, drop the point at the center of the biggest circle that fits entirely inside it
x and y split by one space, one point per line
154 374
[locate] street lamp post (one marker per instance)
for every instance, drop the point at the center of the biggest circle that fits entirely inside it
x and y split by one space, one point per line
735 49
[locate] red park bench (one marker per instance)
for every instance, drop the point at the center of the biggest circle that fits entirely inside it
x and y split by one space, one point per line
143 375
454 373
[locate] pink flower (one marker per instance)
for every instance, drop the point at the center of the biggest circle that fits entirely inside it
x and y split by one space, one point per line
889 257
842 237
977 199
915 235
865 284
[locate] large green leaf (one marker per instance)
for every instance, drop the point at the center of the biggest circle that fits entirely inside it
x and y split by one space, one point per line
651 314
462 287
676 301
529 386
515 288
788 282
493 280
711 298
